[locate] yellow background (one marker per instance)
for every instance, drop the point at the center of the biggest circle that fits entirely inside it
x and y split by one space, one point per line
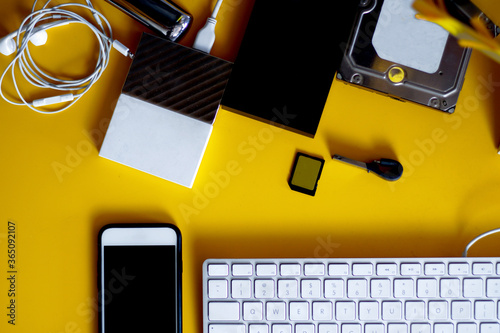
240 205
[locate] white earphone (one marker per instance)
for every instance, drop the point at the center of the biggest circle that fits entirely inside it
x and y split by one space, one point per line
8 45
38 37
31 31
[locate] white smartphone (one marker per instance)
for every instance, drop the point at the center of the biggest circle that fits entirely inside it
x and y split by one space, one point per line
140 271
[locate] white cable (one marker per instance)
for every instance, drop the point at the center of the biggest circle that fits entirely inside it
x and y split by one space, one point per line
47 18
216 9
206 36
472 242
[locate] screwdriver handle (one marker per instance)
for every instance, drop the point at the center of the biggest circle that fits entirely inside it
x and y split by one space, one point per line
386 168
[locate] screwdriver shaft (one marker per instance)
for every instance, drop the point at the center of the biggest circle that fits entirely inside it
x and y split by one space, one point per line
359 164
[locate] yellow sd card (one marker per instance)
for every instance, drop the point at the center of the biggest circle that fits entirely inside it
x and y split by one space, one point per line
306 173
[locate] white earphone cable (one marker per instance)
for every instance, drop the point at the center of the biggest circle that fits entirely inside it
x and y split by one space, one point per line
472 242
34 75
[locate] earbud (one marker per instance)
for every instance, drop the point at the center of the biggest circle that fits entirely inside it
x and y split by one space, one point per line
39 38
7 46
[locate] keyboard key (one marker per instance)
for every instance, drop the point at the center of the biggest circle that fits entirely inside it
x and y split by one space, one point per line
387 269
252 311
473 287
242 270
438 310
223 311
380 288
304 328
322 311
498 268
362 269
443 328
241 289
484 310
218 270
338 269
489 328
434 269
466 328
368 311
461 310
223 328
411 269
459 268
345 310
258 328
299 311
403 288
328 328
275 311
357 288
397 328
266 269
264 289
493 287
427 288
282 328
420 328
217 289
290 270
287 289
449 288
482 268
351 328
334 288
314 269
414 310
391 310
310 288
374 328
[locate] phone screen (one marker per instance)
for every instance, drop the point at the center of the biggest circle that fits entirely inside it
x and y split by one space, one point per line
139 290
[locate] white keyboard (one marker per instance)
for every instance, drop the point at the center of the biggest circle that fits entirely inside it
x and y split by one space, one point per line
433 295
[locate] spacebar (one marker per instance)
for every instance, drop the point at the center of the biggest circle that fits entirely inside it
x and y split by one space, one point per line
226 328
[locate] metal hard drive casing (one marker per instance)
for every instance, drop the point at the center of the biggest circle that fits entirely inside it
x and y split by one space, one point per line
362 66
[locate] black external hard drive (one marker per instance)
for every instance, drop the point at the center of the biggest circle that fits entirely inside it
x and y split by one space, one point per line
288 60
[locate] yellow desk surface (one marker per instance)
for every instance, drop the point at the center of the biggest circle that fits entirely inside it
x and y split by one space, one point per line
59 192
